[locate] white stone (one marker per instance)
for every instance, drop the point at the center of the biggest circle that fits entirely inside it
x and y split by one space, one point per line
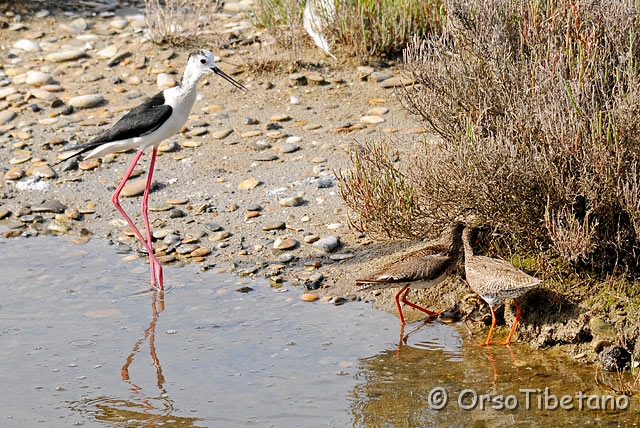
63 56
371 120
86 101
6 91
38 78
165 80
108 52
27 45
42 94
118 23
7 116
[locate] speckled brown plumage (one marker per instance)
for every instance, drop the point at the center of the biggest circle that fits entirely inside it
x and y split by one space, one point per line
422 268
495 280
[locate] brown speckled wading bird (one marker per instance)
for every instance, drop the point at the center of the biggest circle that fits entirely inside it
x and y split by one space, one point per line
422 268
495 280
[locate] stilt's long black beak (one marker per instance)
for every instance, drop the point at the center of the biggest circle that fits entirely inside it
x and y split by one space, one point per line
228 78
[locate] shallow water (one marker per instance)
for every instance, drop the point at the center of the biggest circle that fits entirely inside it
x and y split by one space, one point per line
84 342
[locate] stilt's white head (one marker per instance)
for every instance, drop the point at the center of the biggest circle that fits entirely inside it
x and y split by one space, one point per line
201 62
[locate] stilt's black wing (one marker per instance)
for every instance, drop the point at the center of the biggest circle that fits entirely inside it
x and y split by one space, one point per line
141 120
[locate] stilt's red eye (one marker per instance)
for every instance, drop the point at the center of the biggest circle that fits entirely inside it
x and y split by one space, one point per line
203 61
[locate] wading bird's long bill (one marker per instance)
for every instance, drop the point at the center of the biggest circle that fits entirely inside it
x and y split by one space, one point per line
228 78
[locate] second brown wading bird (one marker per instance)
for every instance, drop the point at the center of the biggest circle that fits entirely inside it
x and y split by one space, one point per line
495 280
422 268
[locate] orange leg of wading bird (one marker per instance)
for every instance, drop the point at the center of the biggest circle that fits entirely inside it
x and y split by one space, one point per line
404 300
515 323
397 299
493 325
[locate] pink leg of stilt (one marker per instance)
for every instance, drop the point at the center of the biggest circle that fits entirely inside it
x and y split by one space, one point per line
156 267
116 202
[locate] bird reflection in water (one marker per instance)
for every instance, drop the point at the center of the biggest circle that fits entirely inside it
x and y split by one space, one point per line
148 409
157 306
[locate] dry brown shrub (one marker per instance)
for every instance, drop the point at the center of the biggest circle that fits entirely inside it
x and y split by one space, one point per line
536 108
177 22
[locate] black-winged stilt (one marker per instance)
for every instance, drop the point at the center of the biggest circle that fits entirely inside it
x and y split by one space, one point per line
148 124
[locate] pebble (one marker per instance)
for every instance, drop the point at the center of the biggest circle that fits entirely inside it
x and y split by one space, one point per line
86 101
58 226
38 78
251 134
118 23
324 183
339 301
286 257
222 133
198 131
379 76
19 159
186 249
168 146
249 184
108 52
63 56
213 227
14 173
27 45
7 91
284 243
43 94
278 225
308 297
315 79
280 118
310 239
89 164
327 244
7 116
134 188
162 233
371 120
4 213
378 111
165 81
287 148
340 257
176 213
200 252
219 236
44 171
171 238
52 206
292 201
266 158
395 82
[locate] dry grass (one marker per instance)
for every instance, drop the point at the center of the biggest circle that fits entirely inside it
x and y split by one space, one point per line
283 20
536 108
364 28
178 22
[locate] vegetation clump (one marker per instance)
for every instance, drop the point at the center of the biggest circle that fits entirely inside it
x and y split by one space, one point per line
364 28
535 106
